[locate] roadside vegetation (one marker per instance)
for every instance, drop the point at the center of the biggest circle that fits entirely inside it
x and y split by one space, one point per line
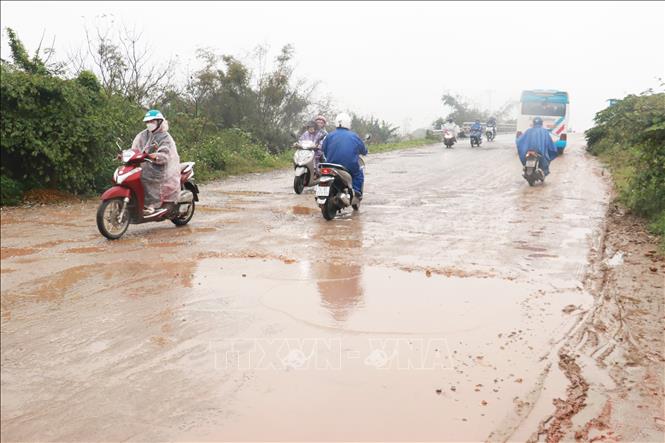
60 120
629 136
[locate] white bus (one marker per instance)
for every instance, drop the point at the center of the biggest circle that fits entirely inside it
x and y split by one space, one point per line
552 106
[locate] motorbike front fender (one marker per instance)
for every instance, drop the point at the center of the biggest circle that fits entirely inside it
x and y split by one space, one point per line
300 170
115 192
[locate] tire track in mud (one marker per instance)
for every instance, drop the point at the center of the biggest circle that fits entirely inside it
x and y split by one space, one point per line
598 356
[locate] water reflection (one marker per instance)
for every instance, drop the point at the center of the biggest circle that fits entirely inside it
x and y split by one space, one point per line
338 271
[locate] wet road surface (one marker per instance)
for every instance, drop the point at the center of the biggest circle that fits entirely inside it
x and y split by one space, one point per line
434 313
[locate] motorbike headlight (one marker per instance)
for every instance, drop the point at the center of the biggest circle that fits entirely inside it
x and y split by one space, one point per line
303 156
127 155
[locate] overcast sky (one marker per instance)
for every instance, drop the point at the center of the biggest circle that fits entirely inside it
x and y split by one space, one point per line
392 59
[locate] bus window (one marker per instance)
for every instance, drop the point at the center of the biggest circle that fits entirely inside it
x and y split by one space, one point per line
544 109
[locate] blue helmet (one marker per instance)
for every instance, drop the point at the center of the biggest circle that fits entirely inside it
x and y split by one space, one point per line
537 122
153 114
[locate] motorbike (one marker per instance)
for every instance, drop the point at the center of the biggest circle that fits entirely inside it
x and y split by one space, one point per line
123 203
532 172
305 173
476 137
334 191
490 133
448 138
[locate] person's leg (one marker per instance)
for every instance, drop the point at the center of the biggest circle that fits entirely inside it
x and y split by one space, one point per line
358 181
545 165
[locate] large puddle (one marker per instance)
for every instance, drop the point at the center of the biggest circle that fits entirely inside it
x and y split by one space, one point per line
393 355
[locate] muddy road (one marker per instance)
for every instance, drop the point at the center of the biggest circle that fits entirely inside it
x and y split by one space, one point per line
437 312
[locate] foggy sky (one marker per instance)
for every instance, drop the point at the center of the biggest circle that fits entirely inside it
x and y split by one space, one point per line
391 59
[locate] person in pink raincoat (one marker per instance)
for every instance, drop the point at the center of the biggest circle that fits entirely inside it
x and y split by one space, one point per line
161 176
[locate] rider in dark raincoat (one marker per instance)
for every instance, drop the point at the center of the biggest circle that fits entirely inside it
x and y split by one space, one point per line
344 147
537 139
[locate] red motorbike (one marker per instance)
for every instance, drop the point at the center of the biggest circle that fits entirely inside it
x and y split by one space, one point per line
122 204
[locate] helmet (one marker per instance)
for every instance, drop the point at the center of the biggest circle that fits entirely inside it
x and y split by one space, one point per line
320 117
153 114
343 120
537 121
311 124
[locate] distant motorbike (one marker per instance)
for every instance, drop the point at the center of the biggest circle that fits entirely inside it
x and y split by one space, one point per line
334 191
305 172
448 138
490 133
532 172
122 204
476 137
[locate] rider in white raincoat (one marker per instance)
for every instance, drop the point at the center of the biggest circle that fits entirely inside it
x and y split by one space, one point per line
160 178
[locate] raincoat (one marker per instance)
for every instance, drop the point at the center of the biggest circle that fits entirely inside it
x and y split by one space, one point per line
161 179
344 147
537 139
452 127
316 137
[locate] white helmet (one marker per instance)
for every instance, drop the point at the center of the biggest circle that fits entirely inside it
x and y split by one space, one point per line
343 120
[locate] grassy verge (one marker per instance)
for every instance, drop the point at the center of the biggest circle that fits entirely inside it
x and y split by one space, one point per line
629 137
621 164
375 149
236 164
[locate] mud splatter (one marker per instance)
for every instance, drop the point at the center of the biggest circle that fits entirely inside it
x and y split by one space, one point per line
6 253
85 250
303 210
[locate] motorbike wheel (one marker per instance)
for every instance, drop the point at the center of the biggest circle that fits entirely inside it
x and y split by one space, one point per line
299 184
107 219
328 210
183 219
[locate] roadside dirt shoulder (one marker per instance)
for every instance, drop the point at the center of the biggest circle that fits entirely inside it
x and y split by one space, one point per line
615 363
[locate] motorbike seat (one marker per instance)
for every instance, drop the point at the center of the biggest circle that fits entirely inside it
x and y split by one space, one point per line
333 165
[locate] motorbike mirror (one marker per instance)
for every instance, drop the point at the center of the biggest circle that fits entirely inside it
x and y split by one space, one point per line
294 135
368 137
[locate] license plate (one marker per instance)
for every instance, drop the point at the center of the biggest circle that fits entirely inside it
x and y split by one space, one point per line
322 191
531 163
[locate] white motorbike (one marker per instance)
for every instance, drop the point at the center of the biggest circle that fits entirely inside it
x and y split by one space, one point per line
305 172
448 138
490 133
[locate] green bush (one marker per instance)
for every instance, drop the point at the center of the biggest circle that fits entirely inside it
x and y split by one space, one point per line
630 137
227 151
11 191
59 133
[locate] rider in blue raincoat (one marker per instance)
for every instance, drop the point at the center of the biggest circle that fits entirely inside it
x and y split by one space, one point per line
537 139
344 147
476 129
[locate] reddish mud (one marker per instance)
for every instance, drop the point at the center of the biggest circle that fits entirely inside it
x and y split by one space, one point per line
451 307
